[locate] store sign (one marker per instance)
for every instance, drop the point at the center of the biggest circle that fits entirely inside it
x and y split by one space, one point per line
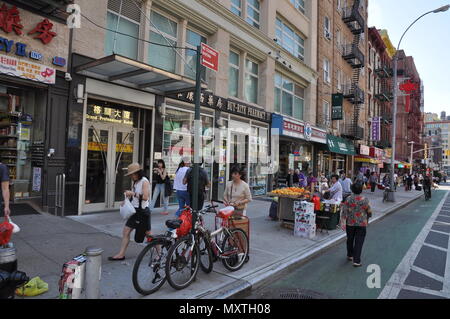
298 129
107 114
308 132
225 105
337 107
210 57
364 150
376 129
27 70
376 153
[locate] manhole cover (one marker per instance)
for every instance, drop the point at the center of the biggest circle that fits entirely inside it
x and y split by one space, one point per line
292 294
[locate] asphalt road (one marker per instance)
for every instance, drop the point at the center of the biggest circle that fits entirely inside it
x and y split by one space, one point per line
405 255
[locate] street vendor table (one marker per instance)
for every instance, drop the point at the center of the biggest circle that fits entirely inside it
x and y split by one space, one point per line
285 211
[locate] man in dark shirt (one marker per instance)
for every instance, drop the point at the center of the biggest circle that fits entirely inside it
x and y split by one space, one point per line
203 182
4 179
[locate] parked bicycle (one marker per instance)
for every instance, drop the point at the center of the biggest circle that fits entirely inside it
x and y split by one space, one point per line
198 250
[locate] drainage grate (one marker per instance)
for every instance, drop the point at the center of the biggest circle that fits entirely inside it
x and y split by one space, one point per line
292 294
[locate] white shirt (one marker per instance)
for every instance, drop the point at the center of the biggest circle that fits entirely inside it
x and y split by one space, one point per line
336 189
346 183
137 188
179 176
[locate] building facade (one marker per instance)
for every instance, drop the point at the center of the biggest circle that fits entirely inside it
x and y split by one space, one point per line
438 132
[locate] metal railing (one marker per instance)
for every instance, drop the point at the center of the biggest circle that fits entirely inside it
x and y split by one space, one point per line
352 52
354 93
353 18
60 194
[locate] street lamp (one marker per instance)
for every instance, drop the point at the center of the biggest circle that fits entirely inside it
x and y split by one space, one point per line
411 158
391 197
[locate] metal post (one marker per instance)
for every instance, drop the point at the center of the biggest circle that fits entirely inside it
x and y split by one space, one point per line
391 197
60 194
93 272
197 144
411 158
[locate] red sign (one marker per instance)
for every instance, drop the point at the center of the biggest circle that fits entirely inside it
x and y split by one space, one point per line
210 58
289 126
376 153
408 87
10 20
45 29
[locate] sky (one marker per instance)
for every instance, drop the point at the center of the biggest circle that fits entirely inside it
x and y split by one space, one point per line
428 41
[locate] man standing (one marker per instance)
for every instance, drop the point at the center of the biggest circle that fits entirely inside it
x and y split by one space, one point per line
4 179
336 189
203 183
346 184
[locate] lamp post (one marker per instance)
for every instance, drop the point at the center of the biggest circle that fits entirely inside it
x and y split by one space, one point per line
411 158
391 197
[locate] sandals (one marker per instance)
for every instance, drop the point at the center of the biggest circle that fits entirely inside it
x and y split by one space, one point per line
116 259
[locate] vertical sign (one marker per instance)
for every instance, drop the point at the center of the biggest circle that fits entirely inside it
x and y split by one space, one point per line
210 57
336 110
376 129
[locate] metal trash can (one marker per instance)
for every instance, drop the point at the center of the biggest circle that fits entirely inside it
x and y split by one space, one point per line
10 278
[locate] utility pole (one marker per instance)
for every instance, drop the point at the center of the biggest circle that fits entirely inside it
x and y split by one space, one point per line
411 158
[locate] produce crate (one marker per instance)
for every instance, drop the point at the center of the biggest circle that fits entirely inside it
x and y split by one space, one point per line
327 220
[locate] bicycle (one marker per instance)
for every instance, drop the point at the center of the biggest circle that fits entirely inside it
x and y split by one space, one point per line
186 255
387 189
149 268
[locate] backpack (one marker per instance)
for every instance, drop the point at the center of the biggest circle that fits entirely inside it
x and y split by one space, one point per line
186 223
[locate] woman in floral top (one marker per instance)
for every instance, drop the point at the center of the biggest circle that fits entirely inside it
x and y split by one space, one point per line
356 212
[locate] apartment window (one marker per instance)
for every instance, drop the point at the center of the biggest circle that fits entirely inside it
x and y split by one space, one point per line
339 40
193 39
251 81
125 19
236 7
326 70
326 112
326 28
289 97
162 28
299 5
233 74
290 40
253 11
339 80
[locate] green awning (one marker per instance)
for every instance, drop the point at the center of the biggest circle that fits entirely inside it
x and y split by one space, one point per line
340 145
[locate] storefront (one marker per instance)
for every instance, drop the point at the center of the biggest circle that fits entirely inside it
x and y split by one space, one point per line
366 160
298 145
234 134
33 104
340 154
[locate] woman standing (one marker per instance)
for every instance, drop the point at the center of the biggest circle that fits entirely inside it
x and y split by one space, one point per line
140 221
160 175
237 192
355 214
181 189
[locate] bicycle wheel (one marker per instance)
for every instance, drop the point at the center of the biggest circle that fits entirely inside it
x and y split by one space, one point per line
235 249
149 268
182 263
206 254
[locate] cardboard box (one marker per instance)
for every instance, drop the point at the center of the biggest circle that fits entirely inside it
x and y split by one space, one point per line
305 218
305 231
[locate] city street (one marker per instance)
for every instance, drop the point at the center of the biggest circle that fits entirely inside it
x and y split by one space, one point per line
411 247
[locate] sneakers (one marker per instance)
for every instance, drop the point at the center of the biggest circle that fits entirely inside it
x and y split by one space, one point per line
350 258
357 264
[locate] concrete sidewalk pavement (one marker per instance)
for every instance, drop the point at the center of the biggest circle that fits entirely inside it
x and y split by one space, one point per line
46 242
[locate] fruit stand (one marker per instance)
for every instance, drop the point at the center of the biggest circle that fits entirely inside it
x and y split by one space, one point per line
286 199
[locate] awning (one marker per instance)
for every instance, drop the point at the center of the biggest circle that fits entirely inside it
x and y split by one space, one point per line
366 159
340 145
137 75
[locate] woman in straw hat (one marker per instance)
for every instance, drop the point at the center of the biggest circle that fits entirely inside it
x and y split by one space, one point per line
140 221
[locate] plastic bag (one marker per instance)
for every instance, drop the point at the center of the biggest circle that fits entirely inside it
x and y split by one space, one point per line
186 225
16 228
36 286
6 230
126 209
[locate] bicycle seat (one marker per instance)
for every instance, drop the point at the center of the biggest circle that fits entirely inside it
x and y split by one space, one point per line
174 223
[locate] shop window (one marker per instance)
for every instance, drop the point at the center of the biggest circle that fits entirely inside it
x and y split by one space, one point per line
233 74
289 39
251 81
259 155
163 31
289 97
193 39
22 127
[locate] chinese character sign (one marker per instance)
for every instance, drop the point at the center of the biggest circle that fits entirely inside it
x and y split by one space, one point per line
376 129
10 20
408 87
44 29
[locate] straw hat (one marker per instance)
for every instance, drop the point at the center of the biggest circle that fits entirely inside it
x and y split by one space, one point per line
133 168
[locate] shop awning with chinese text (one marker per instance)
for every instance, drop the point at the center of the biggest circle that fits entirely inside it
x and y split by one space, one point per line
340 145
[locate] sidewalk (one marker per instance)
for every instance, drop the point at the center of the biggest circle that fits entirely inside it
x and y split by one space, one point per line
46 242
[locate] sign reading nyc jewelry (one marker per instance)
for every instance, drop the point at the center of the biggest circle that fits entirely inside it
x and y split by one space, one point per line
225 105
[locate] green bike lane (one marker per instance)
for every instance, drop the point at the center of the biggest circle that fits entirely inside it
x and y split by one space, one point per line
387 242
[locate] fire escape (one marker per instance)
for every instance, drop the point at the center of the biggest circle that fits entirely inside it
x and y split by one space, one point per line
384 94
353 55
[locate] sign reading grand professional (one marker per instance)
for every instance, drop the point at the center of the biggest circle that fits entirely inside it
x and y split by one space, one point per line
27 70
225 105
210 58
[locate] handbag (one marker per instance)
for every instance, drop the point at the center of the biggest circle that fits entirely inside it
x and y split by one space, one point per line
127 209
167 187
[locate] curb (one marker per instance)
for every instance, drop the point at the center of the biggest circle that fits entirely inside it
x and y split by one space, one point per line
240 286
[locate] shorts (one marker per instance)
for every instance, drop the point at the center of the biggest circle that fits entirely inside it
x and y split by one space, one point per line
141 222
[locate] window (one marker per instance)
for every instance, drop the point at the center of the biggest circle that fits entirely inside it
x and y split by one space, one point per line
326 28
326 70
299 5
290 40
118 43
339 40
253 8
251 81
326 112
339 80
159 56
193 39
289 97
236 7
233 74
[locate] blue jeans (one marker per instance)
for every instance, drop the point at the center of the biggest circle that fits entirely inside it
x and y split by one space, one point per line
159 189
183 200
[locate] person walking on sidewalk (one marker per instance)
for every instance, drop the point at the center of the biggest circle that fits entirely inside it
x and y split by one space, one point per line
355 215
408 183
203 183
4 198
237 192
141 220
373 181
181 189
159 177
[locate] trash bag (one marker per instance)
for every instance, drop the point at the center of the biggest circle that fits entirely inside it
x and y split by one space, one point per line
36 286
6 230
